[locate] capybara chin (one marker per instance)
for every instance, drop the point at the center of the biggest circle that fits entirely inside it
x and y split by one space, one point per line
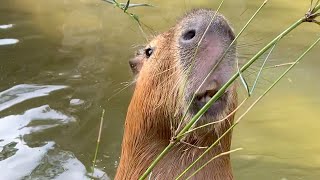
169 70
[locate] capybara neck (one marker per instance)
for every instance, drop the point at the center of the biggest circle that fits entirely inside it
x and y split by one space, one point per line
169 72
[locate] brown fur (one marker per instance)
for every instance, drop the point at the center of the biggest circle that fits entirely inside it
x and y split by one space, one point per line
153 115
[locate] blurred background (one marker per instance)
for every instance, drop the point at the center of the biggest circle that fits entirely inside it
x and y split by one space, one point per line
60 62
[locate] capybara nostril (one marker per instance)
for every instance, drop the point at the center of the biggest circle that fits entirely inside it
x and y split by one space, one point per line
189 35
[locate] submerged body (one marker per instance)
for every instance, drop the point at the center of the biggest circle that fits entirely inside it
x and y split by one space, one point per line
169 71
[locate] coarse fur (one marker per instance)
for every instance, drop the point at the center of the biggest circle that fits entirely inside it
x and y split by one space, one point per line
165 83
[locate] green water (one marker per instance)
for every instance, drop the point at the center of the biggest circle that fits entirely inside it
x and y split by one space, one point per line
62 60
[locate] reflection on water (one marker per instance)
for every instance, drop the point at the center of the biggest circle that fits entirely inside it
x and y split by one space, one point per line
8 41
60 61
25 159
24 92
15 128
61 165
6 26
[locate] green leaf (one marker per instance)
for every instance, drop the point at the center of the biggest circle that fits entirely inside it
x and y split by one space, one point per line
127 6
261 68
135 17
244 82
110 1
135 5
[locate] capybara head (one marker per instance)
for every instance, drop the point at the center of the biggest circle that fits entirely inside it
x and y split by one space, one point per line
172 67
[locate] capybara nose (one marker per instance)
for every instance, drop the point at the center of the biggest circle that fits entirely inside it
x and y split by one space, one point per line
193 30
189 35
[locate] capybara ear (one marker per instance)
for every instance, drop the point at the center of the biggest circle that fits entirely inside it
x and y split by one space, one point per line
137 62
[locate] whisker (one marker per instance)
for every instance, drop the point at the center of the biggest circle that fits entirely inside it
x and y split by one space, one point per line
175 66
168 78
128 85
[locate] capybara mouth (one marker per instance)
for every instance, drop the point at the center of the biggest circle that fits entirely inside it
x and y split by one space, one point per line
203 98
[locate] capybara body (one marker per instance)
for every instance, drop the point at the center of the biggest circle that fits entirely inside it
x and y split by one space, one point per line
171 71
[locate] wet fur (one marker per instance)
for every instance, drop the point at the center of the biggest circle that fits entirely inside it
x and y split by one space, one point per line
154 113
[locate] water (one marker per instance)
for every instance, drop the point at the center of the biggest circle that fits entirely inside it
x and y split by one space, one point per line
62 60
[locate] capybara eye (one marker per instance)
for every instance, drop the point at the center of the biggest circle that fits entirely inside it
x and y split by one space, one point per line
148 52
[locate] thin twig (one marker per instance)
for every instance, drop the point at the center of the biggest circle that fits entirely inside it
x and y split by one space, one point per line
260 71
124 7
98 141
219 121
278 65
252 105
189 144
215 157
217 95
193 61
245 26
220 60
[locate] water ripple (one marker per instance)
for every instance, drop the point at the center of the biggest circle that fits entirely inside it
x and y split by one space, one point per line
6 26
25 92
8 41
18 158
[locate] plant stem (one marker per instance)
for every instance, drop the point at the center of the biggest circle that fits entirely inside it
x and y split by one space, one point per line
215 157
98 142
235 76
219 121
252 105
245 26
219 94
192 64
172 143
261 68
224 54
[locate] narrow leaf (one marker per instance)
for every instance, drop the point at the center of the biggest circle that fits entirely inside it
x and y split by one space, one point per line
244 82
215 157
127 6
135 5
260 71
135 17
109 1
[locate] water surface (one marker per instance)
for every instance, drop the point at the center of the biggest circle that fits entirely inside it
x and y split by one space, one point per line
62 60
